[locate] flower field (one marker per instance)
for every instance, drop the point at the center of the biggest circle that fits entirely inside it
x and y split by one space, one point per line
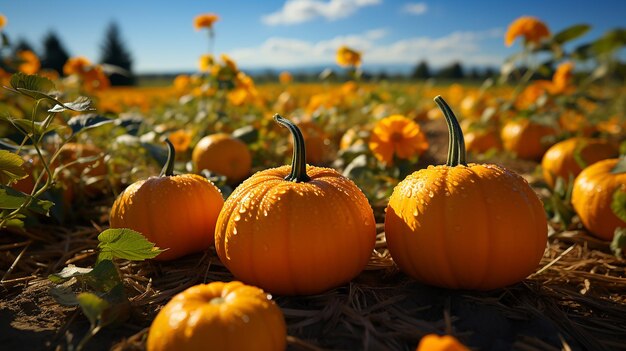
357 213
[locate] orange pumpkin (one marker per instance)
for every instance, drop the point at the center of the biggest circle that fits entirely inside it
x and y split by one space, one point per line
526 139
482 140
223 154
219 316
465 226
592 196
177 212
316 142
296 230
569 157
434 342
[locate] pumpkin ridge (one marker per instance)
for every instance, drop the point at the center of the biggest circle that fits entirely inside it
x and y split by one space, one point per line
489 248
447 230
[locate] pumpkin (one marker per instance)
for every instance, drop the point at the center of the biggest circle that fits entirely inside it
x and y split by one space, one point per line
434 342
569 157
316 141
296 230
526 139
177 212
480 138
223 154
592 196
219 316
465 226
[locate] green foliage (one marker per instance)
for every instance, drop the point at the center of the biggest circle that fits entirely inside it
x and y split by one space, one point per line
618 203
618 244
620 167
126 244
11 168
571 33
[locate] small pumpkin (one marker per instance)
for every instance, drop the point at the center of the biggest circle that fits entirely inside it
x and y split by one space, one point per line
525 138
481 137
219 316
223 154
434 342
465 226
177 212
592 196
296 230
569 157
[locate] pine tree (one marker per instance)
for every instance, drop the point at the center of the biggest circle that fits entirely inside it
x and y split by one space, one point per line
22 45
54 54
115 53
453 71
422 71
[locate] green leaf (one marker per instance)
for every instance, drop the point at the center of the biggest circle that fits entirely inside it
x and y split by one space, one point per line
247 134
69 272
618 244
93 306
126 244
11 168
64 294
620 167
31 83
26 126
571 33
618 203
578 155
82 103
104 276
610 42
87 121
11 199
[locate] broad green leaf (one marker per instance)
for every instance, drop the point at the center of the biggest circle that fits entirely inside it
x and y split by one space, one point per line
8 144
247 134
578 155
31 83
93 306
610 42
620 167
69 272
87 121
82 103
157 152
618 203
571 33
104 276
11 168
618 244
11 199
64 294
357 167
126 244
35 128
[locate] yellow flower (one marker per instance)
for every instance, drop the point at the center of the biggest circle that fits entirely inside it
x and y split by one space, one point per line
94 79
181 139
561 81
182 82
28 62
397 135
206 62
3 21
76 65
205 21
531 28
348 57
532 92
285 77
229 62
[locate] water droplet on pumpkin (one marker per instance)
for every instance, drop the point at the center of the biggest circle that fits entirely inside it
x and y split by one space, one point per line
265 213
415 213
431 194
234 230
245 318
237 218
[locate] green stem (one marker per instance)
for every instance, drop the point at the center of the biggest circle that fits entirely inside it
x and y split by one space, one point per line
168 168
298 161
456 142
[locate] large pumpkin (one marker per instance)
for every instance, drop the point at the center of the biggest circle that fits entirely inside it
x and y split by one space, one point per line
526 139
176 212
465 226
592 197
223 154
219 316
569 157
296 230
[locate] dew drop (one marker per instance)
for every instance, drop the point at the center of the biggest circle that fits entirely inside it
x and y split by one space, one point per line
431 194
415 213
237 218
234 230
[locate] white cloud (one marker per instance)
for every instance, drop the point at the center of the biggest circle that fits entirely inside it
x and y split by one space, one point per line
299 11
288 52
415 8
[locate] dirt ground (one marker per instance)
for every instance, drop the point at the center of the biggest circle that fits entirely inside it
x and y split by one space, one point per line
575 300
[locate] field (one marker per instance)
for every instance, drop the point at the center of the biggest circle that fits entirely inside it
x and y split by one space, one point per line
526 255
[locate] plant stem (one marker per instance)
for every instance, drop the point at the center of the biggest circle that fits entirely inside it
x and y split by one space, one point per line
168 168
298 161
456 142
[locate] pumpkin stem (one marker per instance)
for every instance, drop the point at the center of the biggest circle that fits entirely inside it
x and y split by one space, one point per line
298 161
168 168
456 142
620 166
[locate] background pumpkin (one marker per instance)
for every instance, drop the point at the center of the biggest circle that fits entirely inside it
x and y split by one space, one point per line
177 212
465 226
296 230
526 139
223 154
434 342
569 157
592 196
219 316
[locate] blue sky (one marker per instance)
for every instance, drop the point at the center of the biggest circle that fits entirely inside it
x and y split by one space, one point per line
294 33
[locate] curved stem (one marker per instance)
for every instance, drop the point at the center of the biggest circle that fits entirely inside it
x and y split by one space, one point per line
168 168
456 142
298 161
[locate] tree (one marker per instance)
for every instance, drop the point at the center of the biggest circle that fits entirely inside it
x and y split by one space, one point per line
115 53
422 71
54 54
453 71
22 45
